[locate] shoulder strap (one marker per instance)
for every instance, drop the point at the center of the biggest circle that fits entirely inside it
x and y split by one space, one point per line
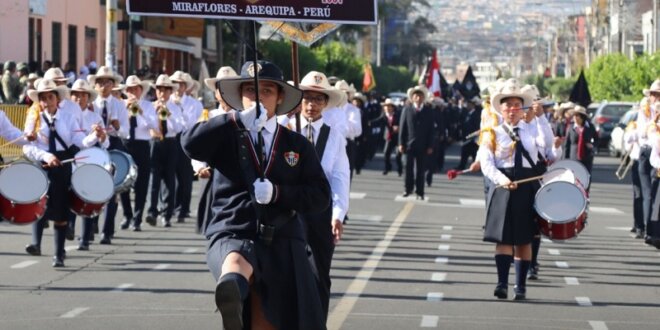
54 132
322 140
522 147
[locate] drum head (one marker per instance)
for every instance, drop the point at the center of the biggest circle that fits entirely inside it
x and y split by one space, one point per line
578 169
23 183
560 202
121 163
558 174
93 155
92 183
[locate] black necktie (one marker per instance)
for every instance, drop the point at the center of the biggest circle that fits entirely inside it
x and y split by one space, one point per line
104 113
310 133
51 135
133 125
517 159
163 127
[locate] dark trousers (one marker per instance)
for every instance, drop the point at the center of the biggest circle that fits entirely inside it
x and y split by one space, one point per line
361 151
435 162
350 152
391 146
638 199
645 183
184 182
163 170
140 150
469 149
321 242
415 168
111 209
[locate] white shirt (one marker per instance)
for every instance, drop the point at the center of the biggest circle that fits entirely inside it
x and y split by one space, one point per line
503 157
9 132
630 141
88 119
67 128
335 165
191 110
337 119
71 107
116 110
643 123
354 120
545 139
175 122
145 121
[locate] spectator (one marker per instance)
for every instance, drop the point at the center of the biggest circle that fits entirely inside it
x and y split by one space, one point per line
11 88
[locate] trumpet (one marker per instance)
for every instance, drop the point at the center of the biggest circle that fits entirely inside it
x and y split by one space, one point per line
134 108
625 163
163 112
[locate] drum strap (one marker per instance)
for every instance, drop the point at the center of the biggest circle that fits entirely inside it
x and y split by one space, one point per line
539 167
322 140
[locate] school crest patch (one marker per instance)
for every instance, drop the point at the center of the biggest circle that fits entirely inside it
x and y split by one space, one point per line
291 158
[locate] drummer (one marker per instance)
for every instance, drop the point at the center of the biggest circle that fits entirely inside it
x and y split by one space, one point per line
503 160
83 94
60 136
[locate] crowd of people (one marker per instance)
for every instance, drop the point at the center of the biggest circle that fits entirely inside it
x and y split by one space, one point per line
279 161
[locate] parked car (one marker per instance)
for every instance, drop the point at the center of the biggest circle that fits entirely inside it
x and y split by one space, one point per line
605 119
591 109
616 145
399 98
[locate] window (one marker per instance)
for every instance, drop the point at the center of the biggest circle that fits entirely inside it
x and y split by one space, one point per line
73 47
57 44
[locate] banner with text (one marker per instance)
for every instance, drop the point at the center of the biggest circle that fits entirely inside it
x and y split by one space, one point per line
320 11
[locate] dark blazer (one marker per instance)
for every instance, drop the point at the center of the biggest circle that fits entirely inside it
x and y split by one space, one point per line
470 122
389 134
572 142
417 128
293 168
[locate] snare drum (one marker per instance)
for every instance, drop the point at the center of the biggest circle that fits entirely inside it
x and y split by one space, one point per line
93 155
562 209
124 170
91 187
23 189
581 172
558 174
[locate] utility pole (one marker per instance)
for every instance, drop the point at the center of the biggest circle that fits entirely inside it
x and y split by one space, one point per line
111 34
654 32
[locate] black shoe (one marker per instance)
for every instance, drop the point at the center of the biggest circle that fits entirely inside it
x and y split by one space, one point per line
166 222
105 240
33 250
180 220
46 224
639 233
519 294
385 172
136 228
69 234
58 262
406 194
400 173
633 229
229 303
648 240
533 273
125 224
83 247
151 220
501 292
420 196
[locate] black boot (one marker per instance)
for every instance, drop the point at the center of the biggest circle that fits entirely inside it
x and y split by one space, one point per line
503 263
230 292
522 267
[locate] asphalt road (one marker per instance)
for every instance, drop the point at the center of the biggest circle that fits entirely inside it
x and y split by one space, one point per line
402 264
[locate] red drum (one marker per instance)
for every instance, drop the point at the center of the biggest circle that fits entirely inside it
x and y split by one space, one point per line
92 187
581 172
23 189
562 208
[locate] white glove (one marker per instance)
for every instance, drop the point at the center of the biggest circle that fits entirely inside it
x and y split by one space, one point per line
248 117
263 191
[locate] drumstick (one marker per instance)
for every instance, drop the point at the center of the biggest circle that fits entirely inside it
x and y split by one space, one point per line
534 178
70 160
12 141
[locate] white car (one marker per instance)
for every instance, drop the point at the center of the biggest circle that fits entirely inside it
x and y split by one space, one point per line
616 140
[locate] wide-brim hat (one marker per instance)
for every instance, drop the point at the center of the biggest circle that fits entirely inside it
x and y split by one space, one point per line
655 87
104 72
164 80
82 85
265 71
417 89
118 88
196 86
47 85
55 74
182 77
343 86
508 89
580 110
318 82
33 76
359 96
133 81
224 72
388 101
532 91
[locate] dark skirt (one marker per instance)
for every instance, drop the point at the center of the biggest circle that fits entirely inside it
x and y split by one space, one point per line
510 215
57 207
283 277
204 212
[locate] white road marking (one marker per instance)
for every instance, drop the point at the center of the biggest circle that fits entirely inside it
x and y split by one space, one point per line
561 264
571 280
472 202
355 289
162 266
447 228
443 247
74 312
435 296
604 210
410 198
583 301
446 205
24 264
441 260
546 240
429 321
598 325
70 248
553 252
357 195
438 277
190 250
123 287
619 228
445 237
366 217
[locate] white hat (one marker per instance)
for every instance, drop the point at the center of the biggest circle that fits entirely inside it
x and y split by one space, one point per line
165 81
182 77
104 72
223 73
33 76
417 89
532 91
118 88
317 82
510 88
133 80
388 101
82 85
47 85
655 87
55 74
194 90
580 110
360 97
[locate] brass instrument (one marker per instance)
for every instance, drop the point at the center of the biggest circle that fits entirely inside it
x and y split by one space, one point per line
134 108
625 163
163 112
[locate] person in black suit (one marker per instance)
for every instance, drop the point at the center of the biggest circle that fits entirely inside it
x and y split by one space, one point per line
392 117
581 137
470 122
416 137
437 160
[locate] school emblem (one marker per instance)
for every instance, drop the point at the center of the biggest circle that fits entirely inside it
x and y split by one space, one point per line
291 158
318 79
250 69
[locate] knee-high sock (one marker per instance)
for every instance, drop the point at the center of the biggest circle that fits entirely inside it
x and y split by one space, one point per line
243 285
503 263
37 231
536 245
87 224
59 235
522 267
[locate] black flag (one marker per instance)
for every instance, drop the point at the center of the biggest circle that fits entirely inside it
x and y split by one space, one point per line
468 87
580 93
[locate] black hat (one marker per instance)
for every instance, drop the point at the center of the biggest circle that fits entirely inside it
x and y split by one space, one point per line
267 71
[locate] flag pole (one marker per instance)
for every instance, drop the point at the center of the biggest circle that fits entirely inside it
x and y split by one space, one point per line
295 75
